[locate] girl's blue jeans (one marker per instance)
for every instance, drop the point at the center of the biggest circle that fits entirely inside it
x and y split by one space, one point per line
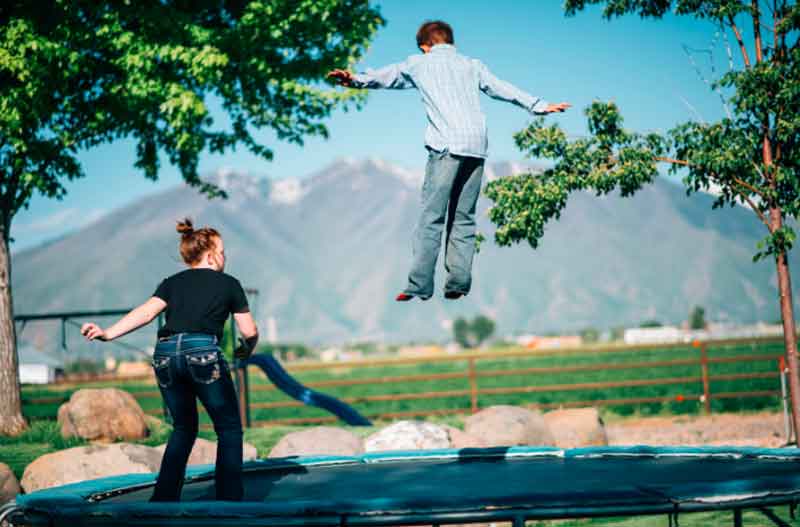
189 366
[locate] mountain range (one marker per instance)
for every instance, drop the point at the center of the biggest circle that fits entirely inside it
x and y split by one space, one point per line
328 252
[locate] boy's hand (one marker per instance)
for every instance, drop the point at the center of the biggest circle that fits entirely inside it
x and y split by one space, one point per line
560 107
343 77
92 331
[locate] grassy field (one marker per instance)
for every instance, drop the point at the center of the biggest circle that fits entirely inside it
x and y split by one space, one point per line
594 374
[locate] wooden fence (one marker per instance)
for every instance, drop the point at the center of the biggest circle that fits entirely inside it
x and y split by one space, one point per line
473 372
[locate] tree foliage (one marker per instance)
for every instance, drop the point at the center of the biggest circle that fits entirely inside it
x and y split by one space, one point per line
751 156
612 158
697 318
473 333
75 74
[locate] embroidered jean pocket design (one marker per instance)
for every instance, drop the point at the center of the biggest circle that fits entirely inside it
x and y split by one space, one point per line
162 371
204 367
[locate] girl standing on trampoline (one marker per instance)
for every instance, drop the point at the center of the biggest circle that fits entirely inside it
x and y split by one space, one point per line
188 362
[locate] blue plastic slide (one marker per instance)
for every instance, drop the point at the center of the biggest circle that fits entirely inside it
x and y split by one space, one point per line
289 385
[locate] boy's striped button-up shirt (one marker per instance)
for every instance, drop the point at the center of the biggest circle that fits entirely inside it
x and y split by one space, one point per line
449 84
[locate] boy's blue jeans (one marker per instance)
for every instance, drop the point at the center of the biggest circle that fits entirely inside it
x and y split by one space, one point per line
190 366
449 195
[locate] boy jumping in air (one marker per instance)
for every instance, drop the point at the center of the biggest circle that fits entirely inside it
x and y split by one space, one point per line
457 148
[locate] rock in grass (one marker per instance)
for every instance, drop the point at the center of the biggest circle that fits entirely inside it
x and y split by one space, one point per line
204 452
461 439
408 435
107 414
88 462
320 441
576 427
9 486
509 426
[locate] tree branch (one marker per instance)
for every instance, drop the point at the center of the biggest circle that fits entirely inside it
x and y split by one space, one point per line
757 30
673 161
735 179
741 42
755 209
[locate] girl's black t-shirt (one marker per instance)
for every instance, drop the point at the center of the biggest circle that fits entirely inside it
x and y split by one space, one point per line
199 301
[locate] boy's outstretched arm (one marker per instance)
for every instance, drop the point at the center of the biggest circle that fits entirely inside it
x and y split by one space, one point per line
505 91
393 76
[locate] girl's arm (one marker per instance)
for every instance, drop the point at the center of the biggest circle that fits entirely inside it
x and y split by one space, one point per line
247 327
135 319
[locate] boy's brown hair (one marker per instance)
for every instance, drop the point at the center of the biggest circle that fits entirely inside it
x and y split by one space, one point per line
434 32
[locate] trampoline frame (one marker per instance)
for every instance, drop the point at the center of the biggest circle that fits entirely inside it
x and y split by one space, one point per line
18 514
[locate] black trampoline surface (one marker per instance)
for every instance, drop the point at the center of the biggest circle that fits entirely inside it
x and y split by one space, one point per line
446 485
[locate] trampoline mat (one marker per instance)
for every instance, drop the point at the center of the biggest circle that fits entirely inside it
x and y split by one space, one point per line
458 484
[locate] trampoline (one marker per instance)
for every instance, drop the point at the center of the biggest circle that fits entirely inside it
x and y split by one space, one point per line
442 486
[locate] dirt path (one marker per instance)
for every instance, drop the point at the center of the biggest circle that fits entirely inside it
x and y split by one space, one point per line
761 429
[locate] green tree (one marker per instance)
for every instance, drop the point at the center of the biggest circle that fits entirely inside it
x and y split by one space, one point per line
651 324
76 74
482 329
697 318
751 155
473 333
461 332
589 335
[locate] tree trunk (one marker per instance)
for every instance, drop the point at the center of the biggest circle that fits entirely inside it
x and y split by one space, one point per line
11 420
789 329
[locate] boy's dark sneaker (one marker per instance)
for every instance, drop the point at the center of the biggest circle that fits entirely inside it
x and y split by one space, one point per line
453 295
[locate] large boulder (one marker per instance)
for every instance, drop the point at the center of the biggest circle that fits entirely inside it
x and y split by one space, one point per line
88 462
408 435
508 426
106 414
319 440
9 486
461 439
204 452
576 427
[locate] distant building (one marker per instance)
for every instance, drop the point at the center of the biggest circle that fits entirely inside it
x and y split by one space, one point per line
133 369
714 331
654 335
340 355
420 351
37 367
719 331
537 342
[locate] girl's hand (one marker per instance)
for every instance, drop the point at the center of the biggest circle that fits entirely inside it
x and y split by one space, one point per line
92 331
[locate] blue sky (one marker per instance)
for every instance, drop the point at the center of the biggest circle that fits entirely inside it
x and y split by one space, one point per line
639 64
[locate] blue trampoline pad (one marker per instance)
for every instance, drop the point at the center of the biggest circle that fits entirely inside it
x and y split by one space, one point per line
440 486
